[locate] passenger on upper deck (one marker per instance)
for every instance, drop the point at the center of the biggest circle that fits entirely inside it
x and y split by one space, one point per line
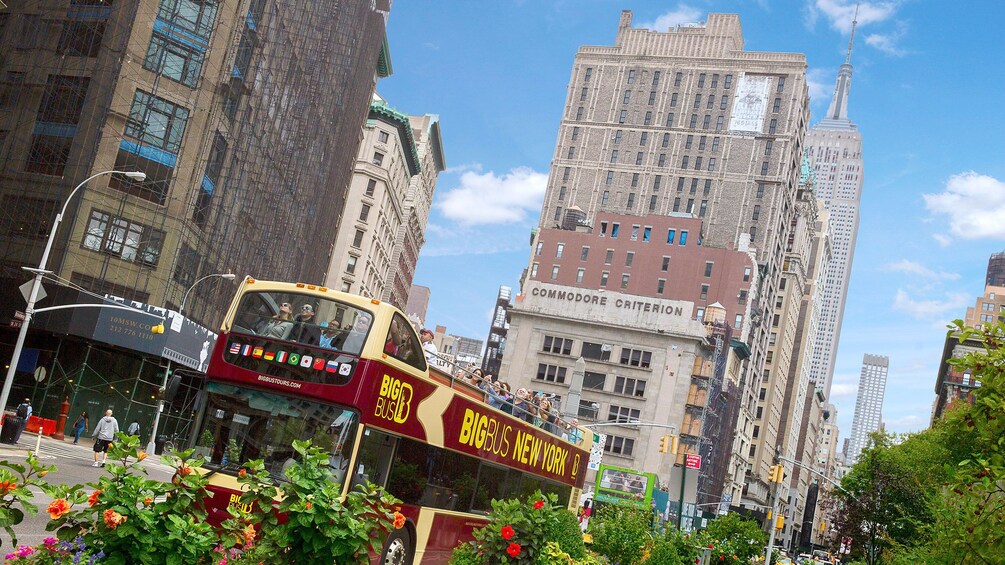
330 331
354 341
279 326
426 337
305 330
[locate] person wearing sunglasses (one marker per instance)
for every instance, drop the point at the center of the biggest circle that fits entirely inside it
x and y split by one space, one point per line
305 330
280 324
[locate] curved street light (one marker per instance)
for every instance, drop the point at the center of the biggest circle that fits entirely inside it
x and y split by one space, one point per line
151 445
37 283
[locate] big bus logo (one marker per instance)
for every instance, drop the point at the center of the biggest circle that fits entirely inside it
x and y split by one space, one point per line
394 401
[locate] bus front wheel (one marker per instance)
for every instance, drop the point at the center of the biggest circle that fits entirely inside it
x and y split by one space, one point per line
397 548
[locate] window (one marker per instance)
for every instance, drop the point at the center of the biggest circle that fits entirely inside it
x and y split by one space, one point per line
666 140
701 80
596 351
636 357
760 190
715 144
715 80
579 275
631 201
635 179
80 38
644 138
589 71
772 126
559 250
727 81
575 132
566 173
346 286
706 121
371 185
550 373
662 162
617 445
764 168
533 271
156 122
186 269
614 229
718 123
683 237
724 102
685 161
623 116
364 212
554 272
694 121
741 297
756 213
174 60
558 213
656 78
584 253
605 198
630 387
688 141
648 119
777 106
617 137
557 345
708 268
708 187
704 292
631 76
677 78
767 147
609 257
690 206
652 97
123 238
753 234
624 281
629 258
623 414
697 163
628 97
665 266
48 154
670 235
639 157
670 120
711 164
196 16
673 103
652 203
676 204
703 208
350 265
540 246
25 216
656 182
614 156
583 93
594 381
710 102
737 321
697 100
579 114
680 184
603 278
357 239
572 153
660 285
781 84
700 314
646 233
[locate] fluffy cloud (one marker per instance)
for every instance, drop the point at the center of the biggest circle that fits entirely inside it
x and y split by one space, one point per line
887 42
490 199
821 85
839 13
933 309
915 268
683 14
974 204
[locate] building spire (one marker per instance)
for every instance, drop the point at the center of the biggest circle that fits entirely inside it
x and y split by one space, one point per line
851 40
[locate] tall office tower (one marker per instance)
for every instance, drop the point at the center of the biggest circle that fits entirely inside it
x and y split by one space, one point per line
387 160
244 116
418 302
496 344
685 123
835 149
411 234
996 270
868 404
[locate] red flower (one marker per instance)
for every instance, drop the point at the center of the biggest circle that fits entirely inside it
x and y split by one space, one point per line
513 550
399 520
539 505
93 499
710 546
507 532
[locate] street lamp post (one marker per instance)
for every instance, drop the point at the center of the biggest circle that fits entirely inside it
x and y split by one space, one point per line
37 283
151 446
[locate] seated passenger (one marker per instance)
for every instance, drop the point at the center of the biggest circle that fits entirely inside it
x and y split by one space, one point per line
354 341
329 333
305 330
279 326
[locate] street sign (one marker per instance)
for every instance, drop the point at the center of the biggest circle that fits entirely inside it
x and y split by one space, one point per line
39 374
692 461
597 451
18 319
26 291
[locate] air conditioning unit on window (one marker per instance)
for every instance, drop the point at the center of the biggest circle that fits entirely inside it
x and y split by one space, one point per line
606 348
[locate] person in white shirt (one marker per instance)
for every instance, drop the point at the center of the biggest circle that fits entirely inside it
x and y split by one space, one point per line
426 337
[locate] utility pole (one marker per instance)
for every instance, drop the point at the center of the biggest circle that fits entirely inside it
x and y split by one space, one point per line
777 477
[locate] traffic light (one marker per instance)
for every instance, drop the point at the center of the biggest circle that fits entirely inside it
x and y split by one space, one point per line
780 522
157 329
776 474
674 444
665 444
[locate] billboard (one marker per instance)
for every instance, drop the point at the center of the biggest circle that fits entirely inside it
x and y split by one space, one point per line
750 104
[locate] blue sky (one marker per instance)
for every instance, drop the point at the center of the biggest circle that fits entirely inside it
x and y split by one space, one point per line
927 94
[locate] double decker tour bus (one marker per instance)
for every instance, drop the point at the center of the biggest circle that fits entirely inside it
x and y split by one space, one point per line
349 373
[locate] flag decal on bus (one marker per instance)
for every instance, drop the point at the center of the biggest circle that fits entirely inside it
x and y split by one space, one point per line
235 348
332 366
246 350
281 357
319 364
258 352
270 355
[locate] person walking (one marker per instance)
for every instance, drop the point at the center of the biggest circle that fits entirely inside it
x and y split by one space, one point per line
103 434
133 429
79 426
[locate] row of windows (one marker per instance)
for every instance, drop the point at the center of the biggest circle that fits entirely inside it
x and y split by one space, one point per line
597 352
727 82
123 238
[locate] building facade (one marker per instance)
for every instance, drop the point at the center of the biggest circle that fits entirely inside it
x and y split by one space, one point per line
244 116
868 404
495 346
387 160
418 302
996 270
834 146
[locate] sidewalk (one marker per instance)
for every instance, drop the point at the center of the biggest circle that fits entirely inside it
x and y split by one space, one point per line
51 450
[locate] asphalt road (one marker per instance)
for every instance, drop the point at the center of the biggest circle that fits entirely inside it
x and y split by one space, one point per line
73 466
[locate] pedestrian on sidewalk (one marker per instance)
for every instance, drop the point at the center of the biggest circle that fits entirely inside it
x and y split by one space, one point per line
23 412
103 435
80 425
134 429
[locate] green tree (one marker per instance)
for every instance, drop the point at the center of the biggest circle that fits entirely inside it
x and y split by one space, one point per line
622 533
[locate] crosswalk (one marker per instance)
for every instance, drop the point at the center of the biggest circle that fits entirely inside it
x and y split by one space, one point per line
52 450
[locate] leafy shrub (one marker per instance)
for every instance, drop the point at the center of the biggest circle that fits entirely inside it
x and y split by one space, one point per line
568 535
622 533
517 532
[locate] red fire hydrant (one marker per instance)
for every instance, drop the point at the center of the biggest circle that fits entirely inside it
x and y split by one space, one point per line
64 410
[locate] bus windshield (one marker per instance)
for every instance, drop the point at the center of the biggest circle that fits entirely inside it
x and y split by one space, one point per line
303 318
247 424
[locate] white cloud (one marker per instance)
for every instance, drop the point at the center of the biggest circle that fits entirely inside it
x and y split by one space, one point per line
843 390
930 309
490 199
463 168
684 14
821 84
974 203
915 268
840 13
942 239
887 42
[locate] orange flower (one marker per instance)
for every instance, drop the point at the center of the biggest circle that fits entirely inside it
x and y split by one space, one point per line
113 519
242 473
249 535
309 505
185 470
7 486
93 499
57 508
141 456
148 501
399 520
42 474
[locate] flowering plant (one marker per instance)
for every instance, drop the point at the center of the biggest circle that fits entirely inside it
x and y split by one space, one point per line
53 551
15 480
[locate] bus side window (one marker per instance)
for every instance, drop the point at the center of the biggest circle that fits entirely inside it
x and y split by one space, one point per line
374 460
402 343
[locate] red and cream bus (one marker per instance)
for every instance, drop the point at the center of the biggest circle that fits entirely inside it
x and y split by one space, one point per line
297 361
